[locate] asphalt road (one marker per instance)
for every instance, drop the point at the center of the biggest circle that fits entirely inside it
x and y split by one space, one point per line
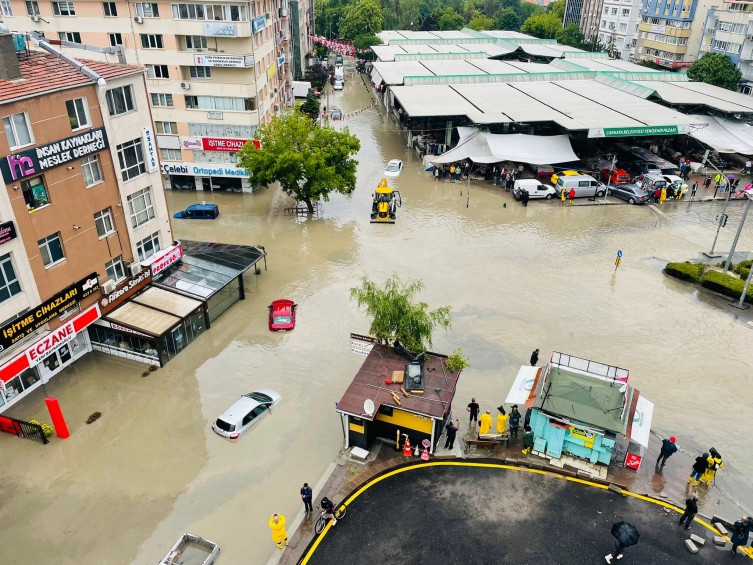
489 515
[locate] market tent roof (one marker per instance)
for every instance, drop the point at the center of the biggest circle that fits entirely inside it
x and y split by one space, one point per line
388 52
166 301
143 318
547 49
610 65
388 35
700 93
509 35
725 136
393 72
483 147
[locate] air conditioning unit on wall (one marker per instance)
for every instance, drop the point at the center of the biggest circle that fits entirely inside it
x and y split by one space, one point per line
185 85
134 268
138 19
107 287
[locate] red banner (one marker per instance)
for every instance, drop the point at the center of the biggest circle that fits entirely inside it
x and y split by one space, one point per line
222 144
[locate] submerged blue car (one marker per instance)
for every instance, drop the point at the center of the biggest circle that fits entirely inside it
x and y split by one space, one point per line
199 212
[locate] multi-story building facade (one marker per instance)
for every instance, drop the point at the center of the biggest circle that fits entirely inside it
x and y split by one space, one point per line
618 26
573 12
83 204
214 71
590 19
670 33
729 30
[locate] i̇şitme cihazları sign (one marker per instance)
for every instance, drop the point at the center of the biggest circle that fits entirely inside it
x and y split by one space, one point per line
34 161
27 323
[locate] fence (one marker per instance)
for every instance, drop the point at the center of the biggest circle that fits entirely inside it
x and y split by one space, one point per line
22 429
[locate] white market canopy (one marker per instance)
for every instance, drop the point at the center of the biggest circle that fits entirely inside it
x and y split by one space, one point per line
726 136
483 147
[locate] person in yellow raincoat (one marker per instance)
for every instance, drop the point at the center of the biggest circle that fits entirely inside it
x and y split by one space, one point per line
485 423
715 463
663 195
279 535
679 191
563 195
501 420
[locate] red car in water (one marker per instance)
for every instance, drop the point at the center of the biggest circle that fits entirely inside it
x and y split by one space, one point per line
618 176
282 315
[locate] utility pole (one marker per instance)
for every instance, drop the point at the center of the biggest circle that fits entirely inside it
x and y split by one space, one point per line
609 180
737 236
741 305
711 254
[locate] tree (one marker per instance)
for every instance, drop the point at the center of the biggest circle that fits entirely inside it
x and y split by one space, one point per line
362 18
480 23
652 65
366 41
716 69
557 8
447 19
309 162
528 9
311 106
543 26
572 36
508 20
514 4
491 8
396 315
409 16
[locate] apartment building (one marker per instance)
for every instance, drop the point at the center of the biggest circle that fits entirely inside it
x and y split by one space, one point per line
83 204
590 19
670 33
729 31
214 71
573 12
618 26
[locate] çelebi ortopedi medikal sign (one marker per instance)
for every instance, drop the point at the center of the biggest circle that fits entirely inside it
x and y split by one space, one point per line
45 157
39 316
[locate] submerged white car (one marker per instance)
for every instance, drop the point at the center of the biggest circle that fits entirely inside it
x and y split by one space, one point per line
244 413
394 168
338 85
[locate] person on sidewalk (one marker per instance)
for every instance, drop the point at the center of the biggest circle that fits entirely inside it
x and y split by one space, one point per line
571 196
451 433
501 420
740 530
699 468
663 196
279 535
329 510
618 553
524 197
714 464
473 408
691 509
657 195
527 440
668 448
534 357
707 182
693 191
306 495
563 194
746 168
485 423
514 421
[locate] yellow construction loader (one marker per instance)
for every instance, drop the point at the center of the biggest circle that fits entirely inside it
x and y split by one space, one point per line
385 203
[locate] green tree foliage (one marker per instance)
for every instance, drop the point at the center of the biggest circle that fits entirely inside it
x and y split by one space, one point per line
543 26
395 314
480 23
447 19
361 18
528 9
509 20
557 8
309 162
572 36
311 106
652 65
409 14
716 69
366 41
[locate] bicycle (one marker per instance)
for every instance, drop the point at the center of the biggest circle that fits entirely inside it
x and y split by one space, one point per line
322 520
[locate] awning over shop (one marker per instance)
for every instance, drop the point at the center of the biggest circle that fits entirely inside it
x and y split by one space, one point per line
143 318
522 386
725 136
166 301
483 147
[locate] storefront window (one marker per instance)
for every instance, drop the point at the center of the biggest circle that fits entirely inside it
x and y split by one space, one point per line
123 344
12 389
223 299
52 362
28 378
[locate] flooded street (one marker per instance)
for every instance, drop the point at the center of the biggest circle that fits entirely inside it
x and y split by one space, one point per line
122 490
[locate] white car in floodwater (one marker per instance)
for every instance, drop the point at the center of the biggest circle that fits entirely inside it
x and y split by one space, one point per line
245 413
394 168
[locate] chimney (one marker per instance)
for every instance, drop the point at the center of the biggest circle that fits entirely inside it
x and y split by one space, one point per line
9 68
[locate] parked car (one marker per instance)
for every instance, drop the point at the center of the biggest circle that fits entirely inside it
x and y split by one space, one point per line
245 413
199 212
339 60
584 185
534 188
630 193
556 176
282 315
618 176
394 168
338 85
637 168
543 171
675 181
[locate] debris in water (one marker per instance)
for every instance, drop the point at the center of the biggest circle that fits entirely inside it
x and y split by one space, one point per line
93 418
153 368
145 374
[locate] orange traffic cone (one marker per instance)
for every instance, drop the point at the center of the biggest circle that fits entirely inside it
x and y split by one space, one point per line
406 448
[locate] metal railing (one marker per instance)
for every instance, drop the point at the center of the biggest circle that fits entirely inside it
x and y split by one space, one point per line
608 372
22 429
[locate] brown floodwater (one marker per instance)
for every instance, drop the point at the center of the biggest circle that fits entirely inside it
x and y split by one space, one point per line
122 490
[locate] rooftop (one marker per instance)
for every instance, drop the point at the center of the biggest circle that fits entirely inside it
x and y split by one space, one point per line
43 72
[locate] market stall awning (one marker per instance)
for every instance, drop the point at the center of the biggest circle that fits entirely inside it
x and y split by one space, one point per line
640 431
166 301
522 386
725 136
482 147
143 318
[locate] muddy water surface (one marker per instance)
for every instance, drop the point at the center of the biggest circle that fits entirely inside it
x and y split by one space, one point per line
123 489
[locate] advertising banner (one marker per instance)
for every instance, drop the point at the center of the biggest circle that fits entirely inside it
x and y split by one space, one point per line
222 144
150 150
233 61
165 258
125 290
637 131
7 232
258 24
220 29
191 143
204 170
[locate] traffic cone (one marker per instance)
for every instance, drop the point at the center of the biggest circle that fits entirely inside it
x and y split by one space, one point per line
425 454
416 452
406 448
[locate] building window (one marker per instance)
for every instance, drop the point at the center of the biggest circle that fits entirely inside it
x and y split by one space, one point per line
157 71
606 10
32 8
7 12
603 23
614 11
147 9
131 158
151 41
200 72
91 170
214 157
625 12
35 193
110 9
216 12
167 128
70 36
78 113
63 9
120 100
222 130
51 250
164 100
115 39
196 42
623 27
148 247
218 103
9 285
170 154
103 221
115 270
18 130
140 204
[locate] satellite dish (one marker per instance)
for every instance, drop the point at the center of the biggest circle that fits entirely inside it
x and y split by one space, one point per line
368 406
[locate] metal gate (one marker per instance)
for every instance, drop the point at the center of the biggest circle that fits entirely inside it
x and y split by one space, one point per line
22 429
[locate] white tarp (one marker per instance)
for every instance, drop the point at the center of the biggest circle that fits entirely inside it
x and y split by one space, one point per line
725 136
376 78
522 386
641 430
482 147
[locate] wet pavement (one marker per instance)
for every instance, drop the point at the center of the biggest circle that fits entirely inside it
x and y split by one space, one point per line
123 489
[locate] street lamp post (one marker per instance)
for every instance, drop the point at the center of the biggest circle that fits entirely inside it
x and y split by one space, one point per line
737 236
609 180
711 253
741 305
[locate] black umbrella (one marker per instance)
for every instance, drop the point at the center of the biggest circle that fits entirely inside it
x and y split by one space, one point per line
626 534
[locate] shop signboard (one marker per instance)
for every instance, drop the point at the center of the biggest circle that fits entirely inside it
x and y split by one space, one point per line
233 61
34 161
119 328
204 170
220 29
522 385
258 24
46 346
271 72
637 131
27 323
223 144
659 29
7 232
633 460
150 148
214 115
191 143
125 290
164 259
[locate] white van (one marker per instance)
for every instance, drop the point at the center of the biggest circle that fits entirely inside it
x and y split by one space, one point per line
339 73
534 188
338 85
584 185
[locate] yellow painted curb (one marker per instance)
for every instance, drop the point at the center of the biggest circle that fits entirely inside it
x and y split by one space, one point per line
351 498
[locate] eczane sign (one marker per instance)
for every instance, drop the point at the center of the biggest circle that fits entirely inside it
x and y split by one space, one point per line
49 343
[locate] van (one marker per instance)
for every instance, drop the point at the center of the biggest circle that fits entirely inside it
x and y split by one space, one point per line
584 185
199 212
339 73
338 85
534 188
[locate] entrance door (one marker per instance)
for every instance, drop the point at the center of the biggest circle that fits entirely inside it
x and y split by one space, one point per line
206 183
